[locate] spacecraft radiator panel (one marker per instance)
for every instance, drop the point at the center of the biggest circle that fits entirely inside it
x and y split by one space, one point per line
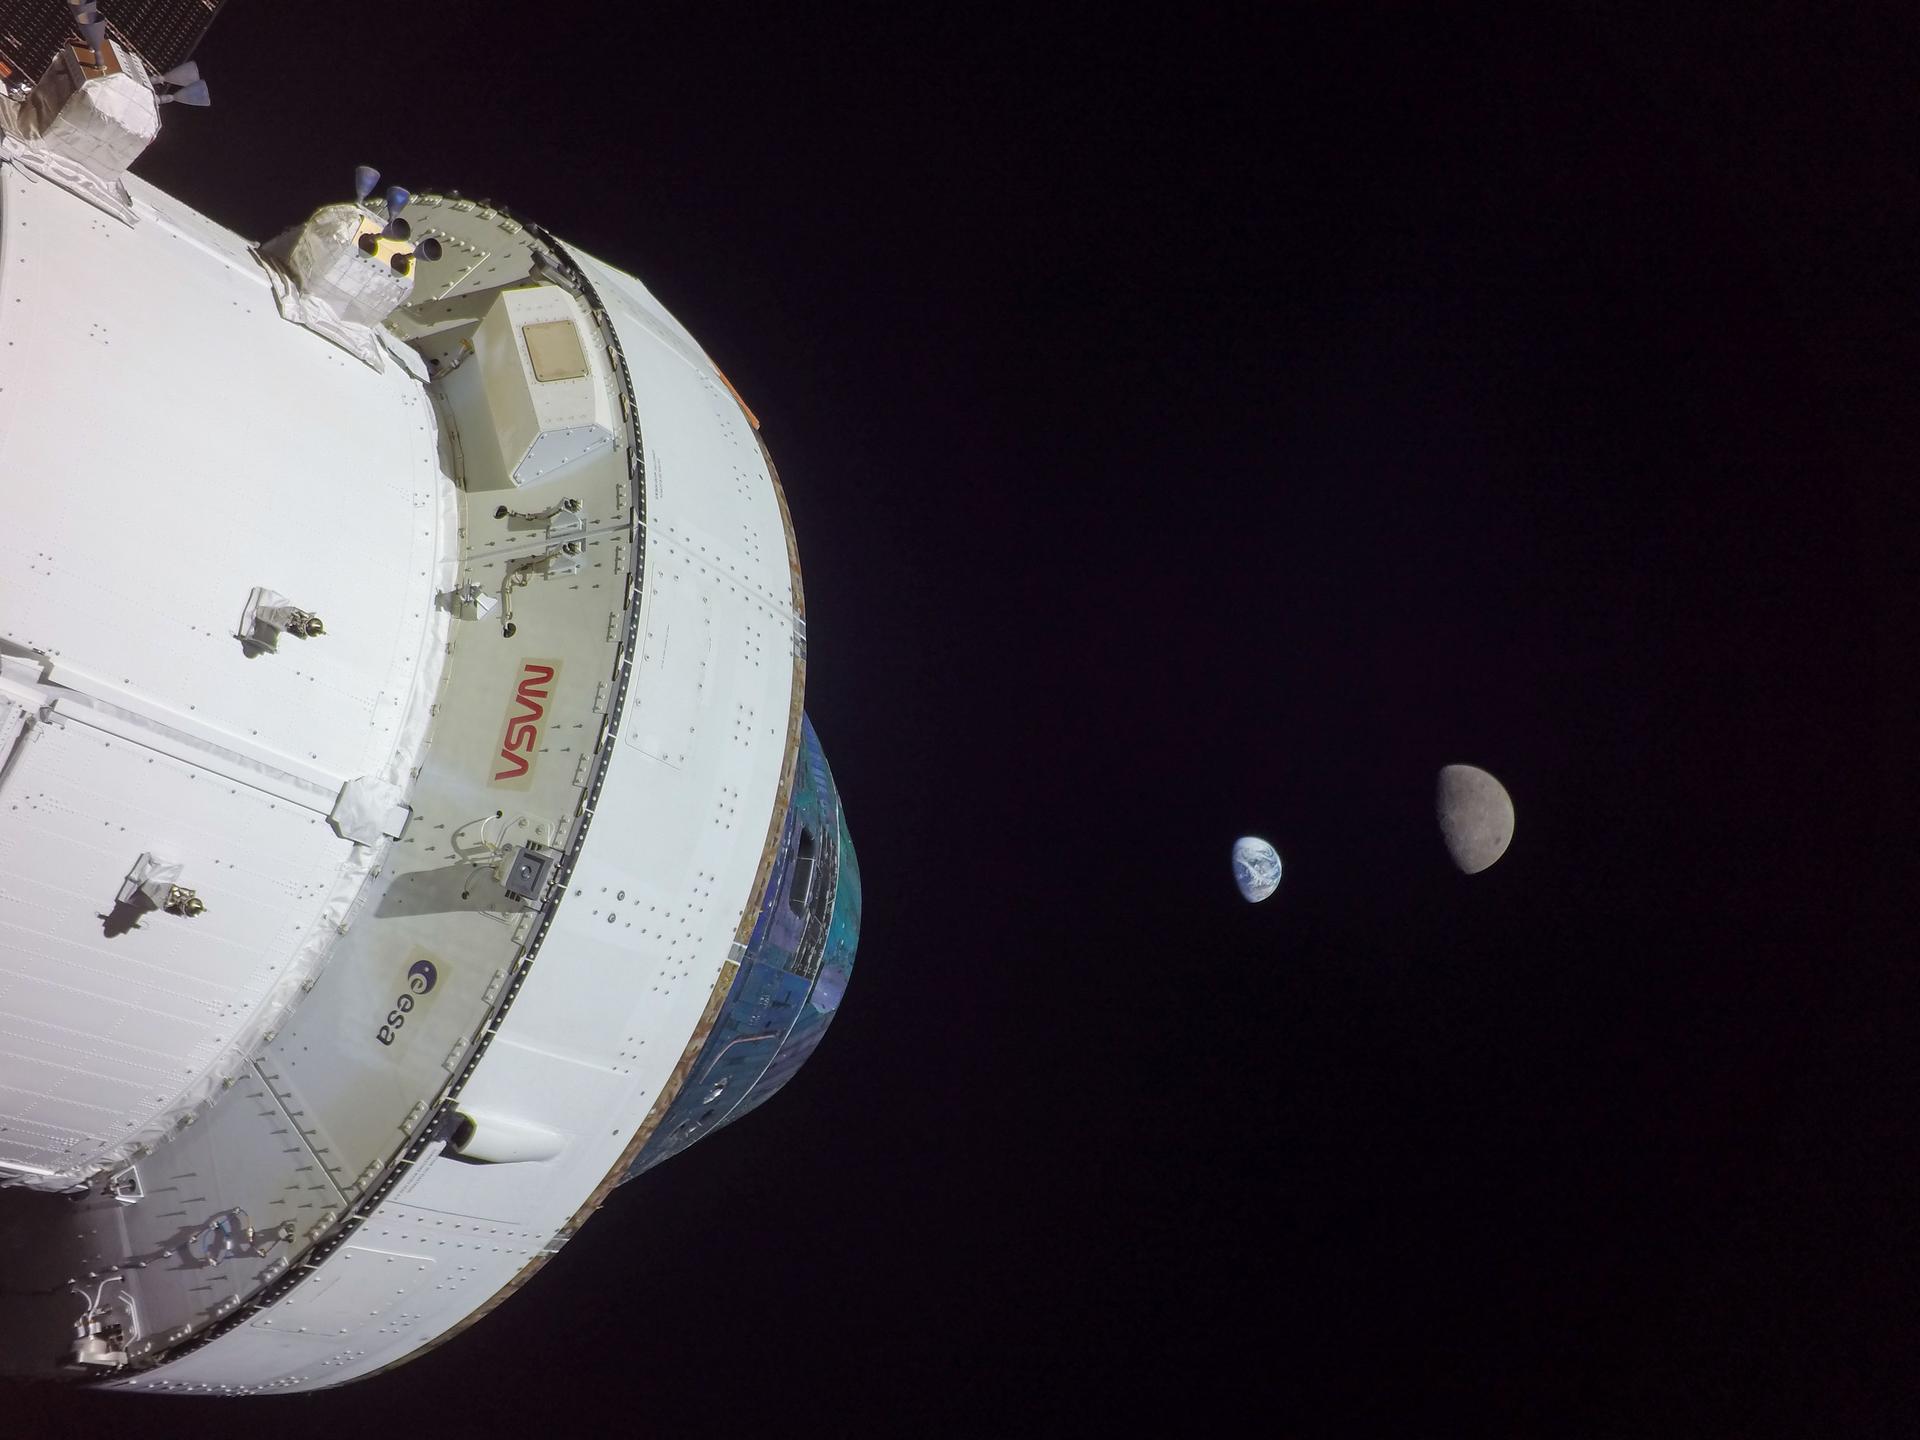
135 533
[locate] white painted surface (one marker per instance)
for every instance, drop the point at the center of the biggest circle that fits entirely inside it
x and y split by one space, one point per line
237 451
169 443
98 1035
645 931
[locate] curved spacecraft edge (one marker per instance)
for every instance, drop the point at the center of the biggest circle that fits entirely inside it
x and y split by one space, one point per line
411 825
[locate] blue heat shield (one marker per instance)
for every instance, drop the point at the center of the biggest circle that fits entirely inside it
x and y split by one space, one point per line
793 974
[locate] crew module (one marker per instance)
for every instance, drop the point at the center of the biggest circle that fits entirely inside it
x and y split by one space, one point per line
409 825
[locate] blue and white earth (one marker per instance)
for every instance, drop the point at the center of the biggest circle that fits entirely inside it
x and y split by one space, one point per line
1256 867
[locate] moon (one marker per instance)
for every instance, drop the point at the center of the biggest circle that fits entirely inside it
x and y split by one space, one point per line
1256 868
1476 816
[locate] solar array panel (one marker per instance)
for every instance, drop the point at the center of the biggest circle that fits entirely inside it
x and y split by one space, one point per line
165 32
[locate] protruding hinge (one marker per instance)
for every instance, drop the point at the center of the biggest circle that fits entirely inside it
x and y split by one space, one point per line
151 885
268 615
124 1186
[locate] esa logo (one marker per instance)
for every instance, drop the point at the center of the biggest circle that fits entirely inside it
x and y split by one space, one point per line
422 976
524 715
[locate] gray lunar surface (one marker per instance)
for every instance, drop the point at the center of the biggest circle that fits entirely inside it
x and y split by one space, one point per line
1476 816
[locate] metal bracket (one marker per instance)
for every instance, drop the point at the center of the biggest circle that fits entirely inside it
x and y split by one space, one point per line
473 602
227 1234
99 1340
569 508
268 615
152 884
124 1186
529 874
563 559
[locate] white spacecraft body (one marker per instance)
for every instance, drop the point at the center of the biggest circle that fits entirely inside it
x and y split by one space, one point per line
409 828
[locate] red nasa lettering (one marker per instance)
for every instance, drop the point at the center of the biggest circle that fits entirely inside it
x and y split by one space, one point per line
523 721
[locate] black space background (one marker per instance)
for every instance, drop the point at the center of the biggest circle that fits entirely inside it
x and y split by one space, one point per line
1202 424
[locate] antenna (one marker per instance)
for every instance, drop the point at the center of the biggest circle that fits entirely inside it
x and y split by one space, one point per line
86 19
188 87
365 178
194 94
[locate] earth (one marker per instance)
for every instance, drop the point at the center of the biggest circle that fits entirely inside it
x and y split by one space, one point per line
1256 867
